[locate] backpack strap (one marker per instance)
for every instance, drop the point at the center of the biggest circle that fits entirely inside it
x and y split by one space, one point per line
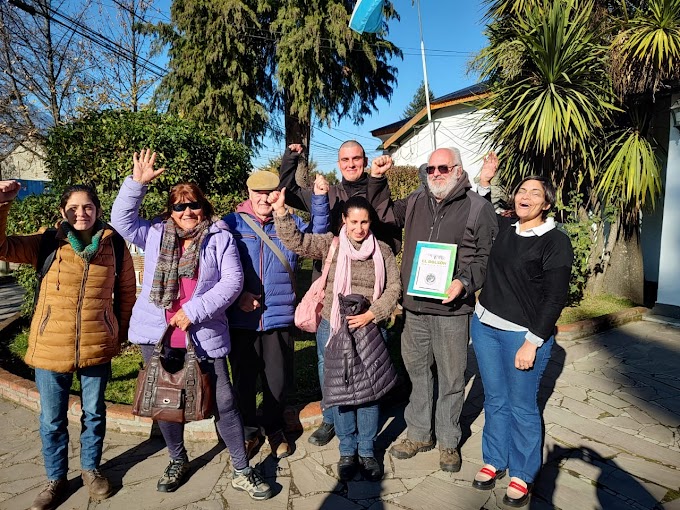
47 250
119 256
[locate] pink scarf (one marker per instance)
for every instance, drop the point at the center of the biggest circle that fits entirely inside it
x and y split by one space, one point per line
342 283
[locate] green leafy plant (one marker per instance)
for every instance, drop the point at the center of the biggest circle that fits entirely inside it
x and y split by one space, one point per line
579 228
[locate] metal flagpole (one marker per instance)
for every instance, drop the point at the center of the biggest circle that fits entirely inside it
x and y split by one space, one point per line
433 138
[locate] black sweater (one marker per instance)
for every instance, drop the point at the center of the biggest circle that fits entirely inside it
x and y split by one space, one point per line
527 279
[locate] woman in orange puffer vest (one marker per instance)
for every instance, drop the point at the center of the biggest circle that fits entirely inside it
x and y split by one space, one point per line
73 329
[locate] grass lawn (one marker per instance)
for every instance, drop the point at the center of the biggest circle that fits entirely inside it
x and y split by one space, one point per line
594 306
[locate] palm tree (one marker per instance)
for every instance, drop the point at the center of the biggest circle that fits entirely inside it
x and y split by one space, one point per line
573 83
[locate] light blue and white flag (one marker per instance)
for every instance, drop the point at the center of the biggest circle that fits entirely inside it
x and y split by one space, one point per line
367 16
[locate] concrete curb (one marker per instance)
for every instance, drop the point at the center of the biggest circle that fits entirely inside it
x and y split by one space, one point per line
119 417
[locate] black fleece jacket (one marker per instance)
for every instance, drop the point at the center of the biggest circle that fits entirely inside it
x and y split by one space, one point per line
463 218
375 190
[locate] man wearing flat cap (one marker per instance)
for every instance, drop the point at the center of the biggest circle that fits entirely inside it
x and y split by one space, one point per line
260 320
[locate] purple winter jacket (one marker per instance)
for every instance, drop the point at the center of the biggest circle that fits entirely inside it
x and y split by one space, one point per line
220 277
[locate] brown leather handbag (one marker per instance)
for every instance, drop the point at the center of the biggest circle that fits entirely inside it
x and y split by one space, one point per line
183 396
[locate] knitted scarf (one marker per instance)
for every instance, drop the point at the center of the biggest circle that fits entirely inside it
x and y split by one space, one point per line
85 252
171 266
342 283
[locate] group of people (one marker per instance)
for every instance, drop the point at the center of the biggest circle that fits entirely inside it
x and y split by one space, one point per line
228 286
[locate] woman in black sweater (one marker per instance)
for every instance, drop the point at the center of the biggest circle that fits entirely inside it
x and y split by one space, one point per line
512 333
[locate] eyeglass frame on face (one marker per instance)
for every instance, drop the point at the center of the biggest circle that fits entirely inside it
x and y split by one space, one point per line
443 169
180 207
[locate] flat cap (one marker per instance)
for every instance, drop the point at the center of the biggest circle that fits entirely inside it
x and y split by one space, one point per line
263 181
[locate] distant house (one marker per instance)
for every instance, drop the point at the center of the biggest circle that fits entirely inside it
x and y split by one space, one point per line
26 165
456 120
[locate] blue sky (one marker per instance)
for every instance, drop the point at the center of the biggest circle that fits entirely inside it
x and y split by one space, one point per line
452 33
453 27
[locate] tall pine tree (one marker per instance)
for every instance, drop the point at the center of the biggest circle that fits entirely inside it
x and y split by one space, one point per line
233 62
418 102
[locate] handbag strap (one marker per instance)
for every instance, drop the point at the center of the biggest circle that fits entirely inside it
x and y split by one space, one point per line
329 261
272 245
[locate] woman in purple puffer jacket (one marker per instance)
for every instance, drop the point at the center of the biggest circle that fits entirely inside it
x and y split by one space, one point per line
192 273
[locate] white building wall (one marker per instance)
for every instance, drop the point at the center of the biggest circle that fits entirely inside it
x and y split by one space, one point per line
25 164
668 297
457 126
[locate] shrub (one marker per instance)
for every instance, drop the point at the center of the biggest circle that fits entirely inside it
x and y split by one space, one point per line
98 149
403 180
579 228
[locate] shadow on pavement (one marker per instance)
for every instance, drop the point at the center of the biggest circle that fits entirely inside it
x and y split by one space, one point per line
611 479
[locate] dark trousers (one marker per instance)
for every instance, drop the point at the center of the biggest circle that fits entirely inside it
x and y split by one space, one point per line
227 417
267 354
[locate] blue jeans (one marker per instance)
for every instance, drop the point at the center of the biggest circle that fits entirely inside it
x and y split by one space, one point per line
323 334
513 428
356 428
53 388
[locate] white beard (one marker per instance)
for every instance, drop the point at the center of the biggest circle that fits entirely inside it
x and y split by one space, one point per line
442 190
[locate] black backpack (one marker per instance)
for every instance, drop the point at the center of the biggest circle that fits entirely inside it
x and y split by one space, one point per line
48 250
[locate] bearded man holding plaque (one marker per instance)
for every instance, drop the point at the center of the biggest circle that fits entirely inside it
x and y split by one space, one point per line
448 232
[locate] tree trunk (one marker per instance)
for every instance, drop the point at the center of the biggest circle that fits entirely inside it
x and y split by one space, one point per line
618 269
298 129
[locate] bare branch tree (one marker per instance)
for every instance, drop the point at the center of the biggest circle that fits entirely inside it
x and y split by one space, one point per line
46 69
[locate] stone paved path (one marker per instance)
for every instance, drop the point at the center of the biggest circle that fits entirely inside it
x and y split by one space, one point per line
11 297
612 411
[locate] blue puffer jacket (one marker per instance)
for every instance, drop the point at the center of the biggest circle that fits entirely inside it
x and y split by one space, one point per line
277 301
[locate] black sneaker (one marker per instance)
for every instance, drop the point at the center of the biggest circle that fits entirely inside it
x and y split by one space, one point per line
174 475
347 468
323 435
370 468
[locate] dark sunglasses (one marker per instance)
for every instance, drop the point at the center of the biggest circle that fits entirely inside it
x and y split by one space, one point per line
443 169
194 206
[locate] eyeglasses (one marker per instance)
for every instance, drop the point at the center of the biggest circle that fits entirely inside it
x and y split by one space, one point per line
194 206
443 169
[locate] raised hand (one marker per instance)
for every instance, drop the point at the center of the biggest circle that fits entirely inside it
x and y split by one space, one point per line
380 165
143 171
320 185
277 199
295 147
9 190
489 168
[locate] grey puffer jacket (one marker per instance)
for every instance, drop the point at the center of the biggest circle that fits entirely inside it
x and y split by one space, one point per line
357 365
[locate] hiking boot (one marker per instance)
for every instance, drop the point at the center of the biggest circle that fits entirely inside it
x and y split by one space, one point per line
407 448
98 485
279 445
323 435
449 460
251 445
370 468
251 481
347 467
51 495
174 475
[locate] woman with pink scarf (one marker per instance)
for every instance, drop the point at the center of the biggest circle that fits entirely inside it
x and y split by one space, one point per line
360 264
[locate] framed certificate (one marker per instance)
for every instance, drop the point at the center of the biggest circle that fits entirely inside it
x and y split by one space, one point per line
432 271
